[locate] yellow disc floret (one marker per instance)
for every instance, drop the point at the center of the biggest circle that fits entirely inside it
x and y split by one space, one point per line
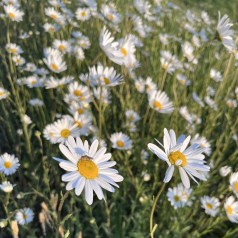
175 156
8 164
120 143
65 133
87 168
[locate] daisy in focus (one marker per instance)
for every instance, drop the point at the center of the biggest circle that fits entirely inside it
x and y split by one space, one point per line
211 205
190 161
88 168
8 164
24 216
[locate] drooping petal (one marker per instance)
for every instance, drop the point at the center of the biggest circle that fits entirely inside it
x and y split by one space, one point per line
80 186
68 166
184 177
169 174
88 193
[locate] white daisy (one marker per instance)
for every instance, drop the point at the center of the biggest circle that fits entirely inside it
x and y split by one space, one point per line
13 49
225 170
61 45
3 93
189 161
231 208
159 101
121 141
224 33
8 164
83 123
88 168
13 13
24 216
6 186
234 183
211 205
202 141
83 14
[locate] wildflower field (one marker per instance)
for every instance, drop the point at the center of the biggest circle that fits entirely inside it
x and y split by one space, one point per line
118 119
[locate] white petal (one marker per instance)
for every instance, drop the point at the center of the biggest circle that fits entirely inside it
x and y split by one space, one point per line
97 189
184 177
166 141
156 150
68 166
105 185
172 138
104 165
79 186
93 148
58 159
88 193
68 154
71 185
86 146
185 144
99 154
70 176
169 174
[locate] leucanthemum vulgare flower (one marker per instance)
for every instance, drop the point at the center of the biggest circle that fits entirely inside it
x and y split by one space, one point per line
88 168
132 116
102 94
13 49
6 186
179 196
110 13
215 75
3 93
62 45
202 141
224 33
159 101
211 205
83 14
99 75
83 122
121 141
13 13
57 83
234 183
54 15
79 92
8 164
54 60
231 208
190 161
24 216
36 102
225 170
59 131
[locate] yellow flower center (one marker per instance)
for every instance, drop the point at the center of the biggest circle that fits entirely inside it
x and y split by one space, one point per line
8 164
229 210
87 167
33 82
209 205
51 134
157 105
83 14
79 124
62 47
176 198
24 216
120 143
106 80
65 133
110 17
78 93
1 93
11 15
175 156
123 51
236 186
80 111
54 16
54 66
13 51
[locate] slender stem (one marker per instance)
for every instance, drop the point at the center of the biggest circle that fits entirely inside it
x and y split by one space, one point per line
152 230
100 114
163 79
59 212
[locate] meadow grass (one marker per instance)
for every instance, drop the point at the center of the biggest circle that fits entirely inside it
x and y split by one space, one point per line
127 211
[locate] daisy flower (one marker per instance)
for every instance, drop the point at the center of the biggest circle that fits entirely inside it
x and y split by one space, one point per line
88 168
13 13
53 14
13 49
189 161
6 186
83 122
79 92
83 14
231 208
234 183
225 170
110 13
211 205
8 164
61 45
224 33
121 141
54 60
202 141
24 216
159 101
132 116
3 93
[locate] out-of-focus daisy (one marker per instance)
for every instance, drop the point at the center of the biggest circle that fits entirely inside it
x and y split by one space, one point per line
110 13
55 15
54 60
26 119
13 13
132 116
83 122
225 33
36 102
189 161
202 141
197 99
13 49
83 14
3 93
61 130
88 168
216 75
231 208
18 60
61 45
79 92
159 101
234 183
211 205
8 164
6 186
225 170
56 83
24 216
102 94
99 75
179 196
150 85
121 141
